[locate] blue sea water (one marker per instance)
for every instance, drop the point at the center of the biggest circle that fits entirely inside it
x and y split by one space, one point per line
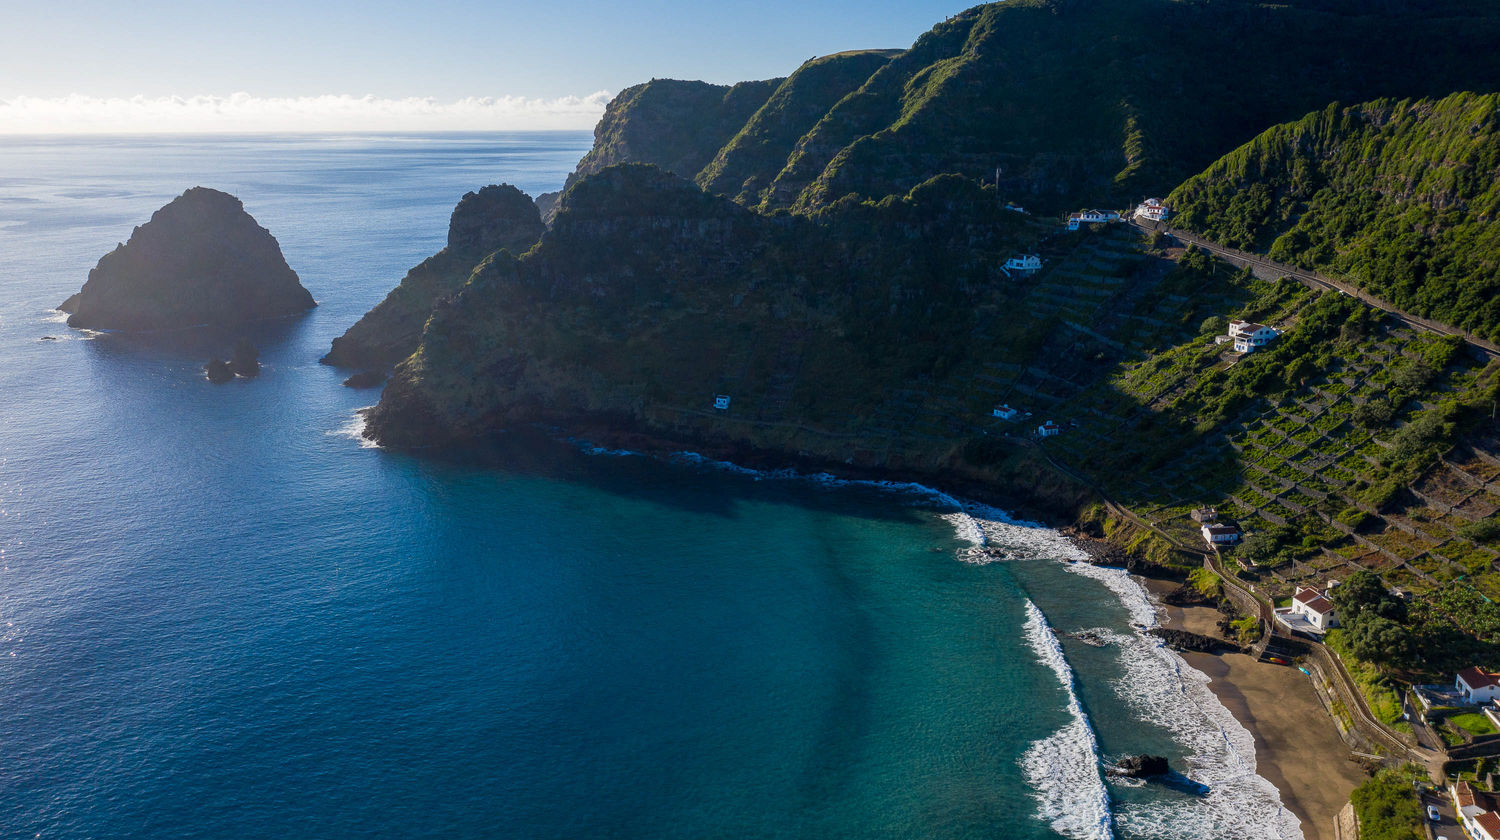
222 616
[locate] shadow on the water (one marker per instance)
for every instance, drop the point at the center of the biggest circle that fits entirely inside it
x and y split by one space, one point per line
198 344
700 488
1178 782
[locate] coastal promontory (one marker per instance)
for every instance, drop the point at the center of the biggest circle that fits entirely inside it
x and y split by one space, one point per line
201 259
494 218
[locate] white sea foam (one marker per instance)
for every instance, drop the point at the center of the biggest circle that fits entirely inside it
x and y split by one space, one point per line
1161 687
1063 768
1159 684
354 429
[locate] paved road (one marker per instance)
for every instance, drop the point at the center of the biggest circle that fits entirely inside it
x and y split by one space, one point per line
1315 280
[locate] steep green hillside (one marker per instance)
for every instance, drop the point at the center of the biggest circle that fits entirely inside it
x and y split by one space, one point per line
648 296
676 125
495 217
743 168
1401 197
1076 101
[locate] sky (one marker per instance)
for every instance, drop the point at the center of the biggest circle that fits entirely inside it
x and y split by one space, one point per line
279 65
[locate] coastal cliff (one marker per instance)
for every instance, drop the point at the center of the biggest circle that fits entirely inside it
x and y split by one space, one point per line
494 218
201 259
1074 102
676 125
846 307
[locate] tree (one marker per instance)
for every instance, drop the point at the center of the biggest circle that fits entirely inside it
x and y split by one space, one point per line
1388 808
1377 639
1363 593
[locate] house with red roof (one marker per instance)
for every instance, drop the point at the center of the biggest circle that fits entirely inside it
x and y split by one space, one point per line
1311 612
1315 607
1476 811
1477 684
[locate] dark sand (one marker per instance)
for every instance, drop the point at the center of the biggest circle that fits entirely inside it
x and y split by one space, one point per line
1297 745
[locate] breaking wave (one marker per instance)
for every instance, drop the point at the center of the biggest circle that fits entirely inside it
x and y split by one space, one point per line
354 429
1063 768
1158 685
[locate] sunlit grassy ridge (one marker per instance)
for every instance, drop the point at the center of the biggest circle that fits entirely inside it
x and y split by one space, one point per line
1400 197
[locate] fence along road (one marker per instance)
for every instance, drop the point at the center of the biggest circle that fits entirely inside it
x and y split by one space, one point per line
1314 280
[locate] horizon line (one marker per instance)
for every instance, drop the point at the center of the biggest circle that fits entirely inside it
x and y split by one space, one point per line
246 114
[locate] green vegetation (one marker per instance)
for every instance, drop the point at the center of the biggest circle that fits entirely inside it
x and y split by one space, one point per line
484 222
1399 197
839 278
1206 582
1388 808
1381 694
1054 93
1474 723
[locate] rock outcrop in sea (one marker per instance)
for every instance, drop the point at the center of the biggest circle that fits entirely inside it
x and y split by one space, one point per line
201 259
495 218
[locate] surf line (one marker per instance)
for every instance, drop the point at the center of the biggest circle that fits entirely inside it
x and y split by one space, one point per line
1063 768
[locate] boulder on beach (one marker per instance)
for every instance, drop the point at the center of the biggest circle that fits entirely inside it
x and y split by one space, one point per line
201 259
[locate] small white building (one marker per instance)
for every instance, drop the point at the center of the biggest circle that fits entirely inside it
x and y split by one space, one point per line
1476 811
1248 335
1005 412
1048 429
721 402
1016 208
1477 684
1311 612
1220 533
1152 210
1091 217
1315 607
1023 265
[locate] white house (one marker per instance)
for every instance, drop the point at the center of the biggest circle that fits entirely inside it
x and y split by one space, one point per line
1476 810
1221 534
1153 210
1248 335
1048 429
1091 217
1005 412
1023 265
1315 607
721 402
1477 684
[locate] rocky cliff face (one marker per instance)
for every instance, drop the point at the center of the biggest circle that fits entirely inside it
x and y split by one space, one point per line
201 259
496 217
1074 101
673 124
648 297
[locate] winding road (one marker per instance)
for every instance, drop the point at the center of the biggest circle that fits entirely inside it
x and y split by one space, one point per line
1314 280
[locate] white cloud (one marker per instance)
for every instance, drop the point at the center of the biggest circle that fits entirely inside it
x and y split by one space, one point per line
242 112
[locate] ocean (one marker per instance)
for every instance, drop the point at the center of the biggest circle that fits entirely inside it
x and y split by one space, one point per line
222 615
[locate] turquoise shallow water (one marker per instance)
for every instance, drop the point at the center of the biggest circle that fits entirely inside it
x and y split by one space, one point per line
220 616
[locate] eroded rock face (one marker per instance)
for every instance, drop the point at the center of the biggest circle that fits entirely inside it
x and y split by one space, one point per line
200 260
497 217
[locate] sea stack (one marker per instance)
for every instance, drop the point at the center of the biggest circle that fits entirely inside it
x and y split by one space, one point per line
200 260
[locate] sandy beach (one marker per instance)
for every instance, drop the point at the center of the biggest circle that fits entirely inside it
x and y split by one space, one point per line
1297 745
